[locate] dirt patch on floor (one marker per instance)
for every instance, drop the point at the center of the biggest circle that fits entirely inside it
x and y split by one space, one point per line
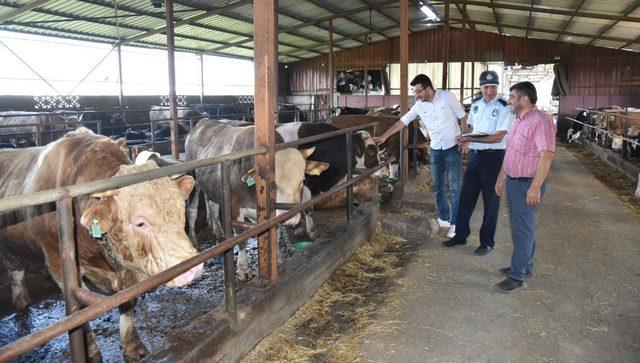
331 326
607 175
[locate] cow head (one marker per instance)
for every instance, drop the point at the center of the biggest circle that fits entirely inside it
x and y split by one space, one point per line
367 153
144 224
291 167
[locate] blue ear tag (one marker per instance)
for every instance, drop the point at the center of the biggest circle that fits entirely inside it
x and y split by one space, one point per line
250 181
95 229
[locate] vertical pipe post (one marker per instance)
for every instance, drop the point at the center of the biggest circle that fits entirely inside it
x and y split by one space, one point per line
70 274
414 156
38 135
265 63
331 67
445 46
120 92
464 41
366 71
349 176
595 82
404 83
229 265
201 78
175 152
473 78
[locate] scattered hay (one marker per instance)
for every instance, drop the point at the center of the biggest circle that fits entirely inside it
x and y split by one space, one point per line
609 176
332 325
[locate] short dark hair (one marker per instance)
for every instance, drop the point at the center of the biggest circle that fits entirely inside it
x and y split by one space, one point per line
423 80
526 89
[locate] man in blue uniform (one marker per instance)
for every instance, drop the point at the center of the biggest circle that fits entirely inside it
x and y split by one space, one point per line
490 117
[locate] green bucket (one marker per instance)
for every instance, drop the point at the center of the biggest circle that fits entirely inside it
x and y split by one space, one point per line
301 245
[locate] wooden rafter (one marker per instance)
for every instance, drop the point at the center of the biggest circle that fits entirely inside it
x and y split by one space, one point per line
553 31
311 22
566 25
495 17
526 35
323 5
383 13
465 16
636 41
546 10
605 29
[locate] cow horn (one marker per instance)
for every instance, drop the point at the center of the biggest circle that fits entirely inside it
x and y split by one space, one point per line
381 152
107 193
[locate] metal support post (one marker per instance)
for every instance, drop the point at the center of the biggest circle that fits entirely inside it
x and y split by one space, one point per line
201 78
404 84
349 176
229 265
175 151
70 274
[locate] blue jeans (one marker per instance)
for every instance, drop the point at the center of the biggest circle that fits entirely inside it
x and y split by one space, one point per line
482 171
523 227
446 163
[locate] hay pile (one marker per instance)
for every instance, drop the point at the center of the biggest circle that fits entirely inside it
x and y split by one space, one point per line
332 325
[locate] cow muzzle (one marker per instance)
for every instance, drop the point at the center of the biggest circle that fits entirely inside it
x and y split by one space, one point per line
291 222
187 277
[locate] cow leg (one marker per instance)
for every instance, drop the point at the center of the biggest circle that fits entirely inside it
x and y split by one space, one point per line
243 271
19 294
213 215
132 347
308 214
393 170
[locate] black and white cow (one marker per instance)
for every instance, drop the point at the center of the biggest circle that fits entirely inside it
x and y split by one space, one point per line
212 138
111 124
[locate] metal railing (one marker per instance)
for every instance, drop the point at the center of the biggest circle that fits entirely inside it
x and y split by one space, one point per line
606 131
96 304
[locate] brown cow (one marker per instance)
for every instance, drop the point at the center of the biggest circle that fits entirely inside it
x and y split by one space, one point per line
142 225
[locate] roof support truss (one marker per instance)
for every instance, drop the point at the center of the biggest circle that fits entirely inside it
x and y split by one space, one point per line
605 29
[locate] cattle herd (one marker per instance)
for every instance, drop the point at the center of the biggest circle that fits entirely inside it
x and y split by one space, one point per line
128 234
612 127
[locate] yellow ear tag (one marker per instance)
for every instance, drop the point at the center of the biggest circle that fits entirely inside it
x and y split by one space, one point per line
95 229
314 171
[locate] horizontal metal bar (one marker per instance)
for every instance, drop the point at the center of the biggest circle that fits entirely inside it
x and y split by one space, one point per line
51 195
29 342
86 297
242 225
285 205
323 136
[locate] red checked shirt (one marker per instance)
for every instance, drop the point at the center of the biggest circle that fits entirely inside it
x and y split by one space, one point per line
529 136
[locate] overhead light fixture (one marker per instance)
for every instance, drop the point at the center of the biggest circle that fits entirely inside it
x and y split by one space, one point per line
429 11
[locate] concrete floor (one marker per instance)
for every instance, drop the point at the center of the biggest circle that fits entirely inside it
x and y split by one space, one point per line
583 304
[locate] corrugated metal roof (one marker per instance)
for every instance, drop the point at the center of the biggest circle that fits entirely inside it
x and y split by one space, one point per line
596 22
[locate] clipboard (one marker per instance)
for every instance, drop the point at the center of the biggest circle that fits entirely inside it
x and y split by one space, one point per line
475 134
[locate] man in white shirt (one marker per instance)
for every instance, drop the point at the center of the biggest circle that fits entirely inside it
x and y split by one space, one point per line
439 113
489 115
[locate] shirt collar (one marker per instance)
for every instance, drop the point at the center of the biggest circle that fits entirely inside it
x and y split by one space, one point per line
527 114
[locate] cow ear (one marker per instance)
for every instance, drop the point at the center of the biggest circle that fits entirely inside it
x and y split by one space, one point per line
307 152
121 142
316 167
98 216
185 183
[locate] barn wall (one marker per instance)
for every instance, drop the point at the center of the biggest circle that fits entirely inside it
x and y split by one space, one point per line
616 72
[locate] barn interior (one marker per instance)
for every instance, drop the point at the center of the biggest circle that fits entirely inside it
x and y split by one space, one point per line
312 60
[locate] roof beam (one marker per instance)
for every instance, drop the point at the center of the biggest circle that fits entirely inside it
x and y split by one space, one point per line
551 31
21 10
566 25
315 21
495 17
465 15
325 45
186 21
605 29
526 35
544 10
383 13
322 4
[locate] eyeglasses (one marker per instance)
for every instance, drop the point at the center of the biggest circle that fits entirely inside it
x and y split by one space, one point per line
418 91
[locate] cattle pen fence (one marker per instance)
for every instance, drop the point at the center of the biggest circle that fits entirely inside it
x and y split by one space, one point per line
83 305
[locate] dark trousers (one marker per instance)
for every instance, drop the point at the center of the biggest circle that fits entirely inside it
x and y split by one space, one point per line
482 172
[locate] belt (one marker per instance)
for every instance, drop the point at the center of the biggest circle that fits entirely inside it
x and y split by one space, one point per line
486 151
520 178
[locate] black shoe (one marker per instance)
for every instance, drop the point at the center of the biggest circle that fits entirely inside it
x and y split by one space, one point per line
482 250
511 285
453 242
505 271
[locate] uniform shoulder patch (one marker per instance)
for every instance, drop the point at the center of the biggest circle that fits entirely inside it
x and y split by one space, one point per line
477 99
502 102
